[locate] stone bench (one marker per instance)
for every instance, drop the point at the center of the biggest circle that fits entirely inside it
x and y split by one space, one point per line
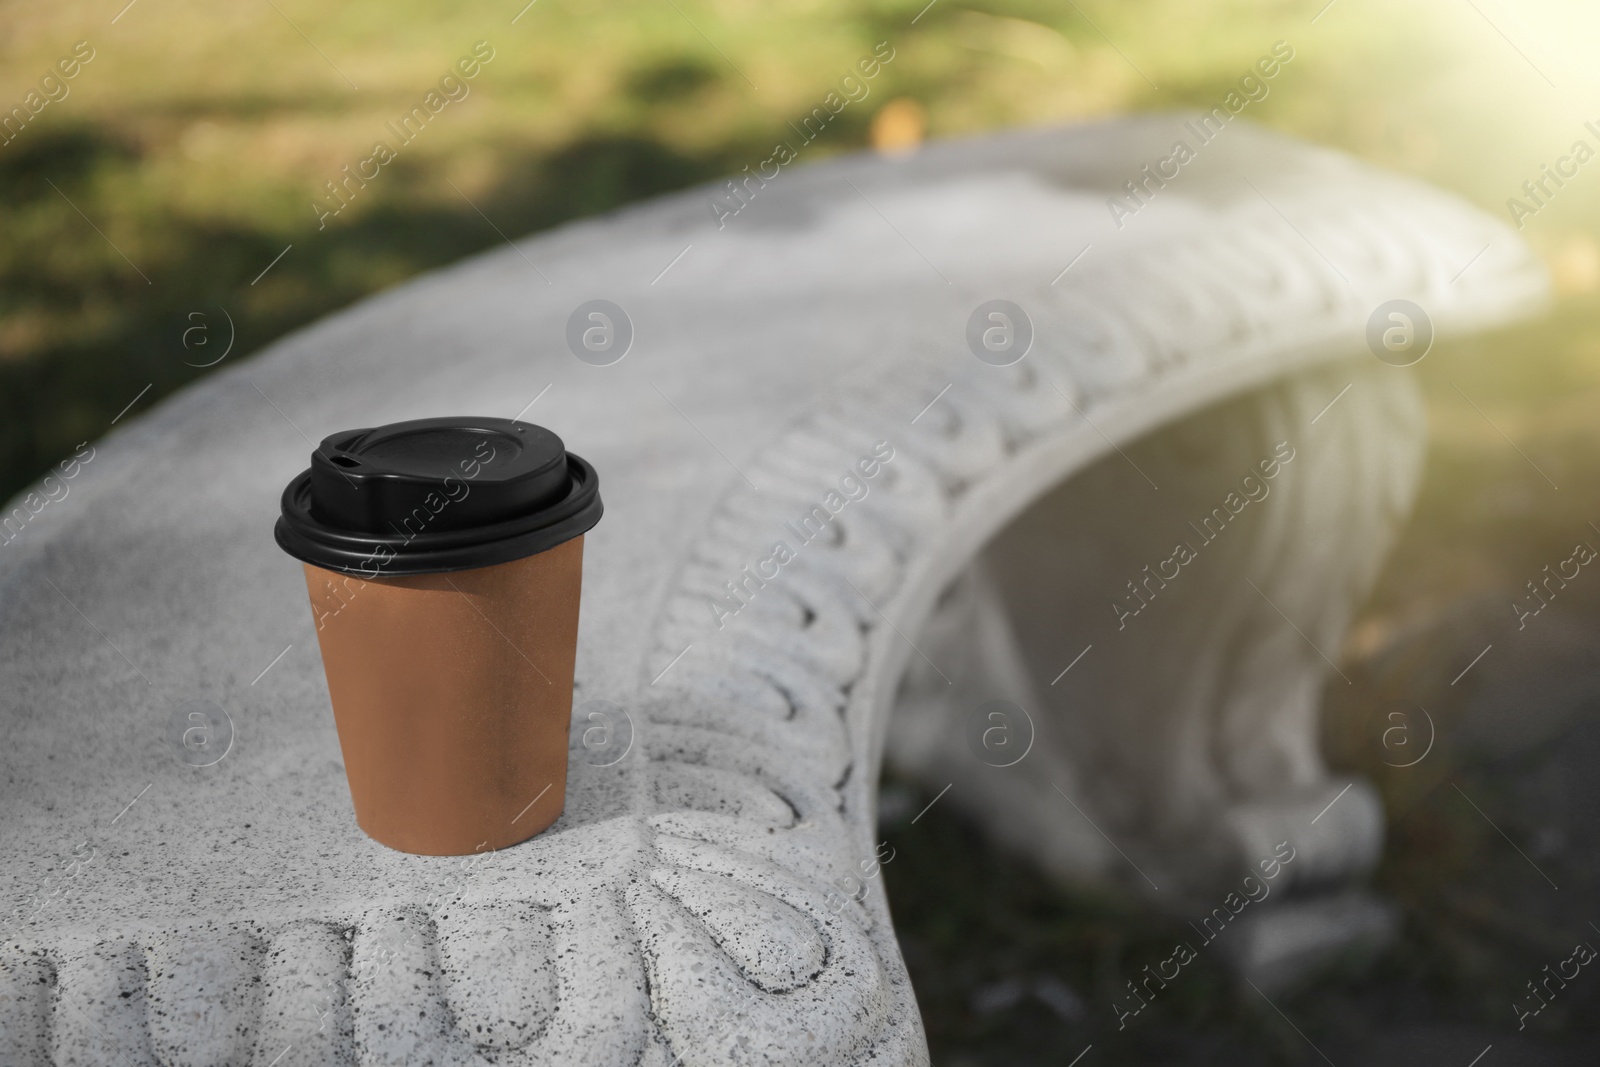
954 532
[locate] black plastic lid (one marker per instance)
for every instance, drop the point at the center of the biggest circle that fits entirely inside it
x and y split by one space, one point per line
436 495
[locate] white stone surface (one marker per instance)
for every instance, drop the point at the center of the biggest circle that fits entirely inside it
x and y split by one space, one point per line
685 909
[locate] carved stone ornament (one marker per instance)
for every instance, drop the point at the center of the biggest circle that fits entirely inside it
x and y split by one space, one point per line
710 895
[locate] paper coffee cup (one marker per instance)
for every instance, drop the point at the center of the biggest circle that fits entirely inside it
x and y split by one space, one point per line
444 560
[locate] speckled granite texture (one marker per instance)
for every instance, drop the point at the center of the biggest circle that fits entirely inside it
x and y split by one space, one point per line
686 909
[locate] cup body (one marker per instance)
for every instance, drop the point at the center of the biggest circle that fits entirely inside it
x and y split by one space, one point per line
452 693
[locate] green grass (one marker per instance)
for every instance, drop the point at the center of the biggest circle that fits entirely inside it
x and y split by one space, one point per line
197 138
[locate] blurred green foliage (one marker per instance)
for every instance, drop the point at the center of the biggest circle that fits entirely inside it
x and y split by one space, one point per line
188 152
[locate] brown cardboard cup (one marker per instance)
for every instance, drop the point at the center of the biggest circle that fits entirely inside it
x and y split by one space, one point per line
451 683
452 694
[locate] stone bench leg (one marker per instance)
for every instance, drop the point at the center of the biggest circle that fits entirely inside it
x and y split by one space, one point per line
1187 735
